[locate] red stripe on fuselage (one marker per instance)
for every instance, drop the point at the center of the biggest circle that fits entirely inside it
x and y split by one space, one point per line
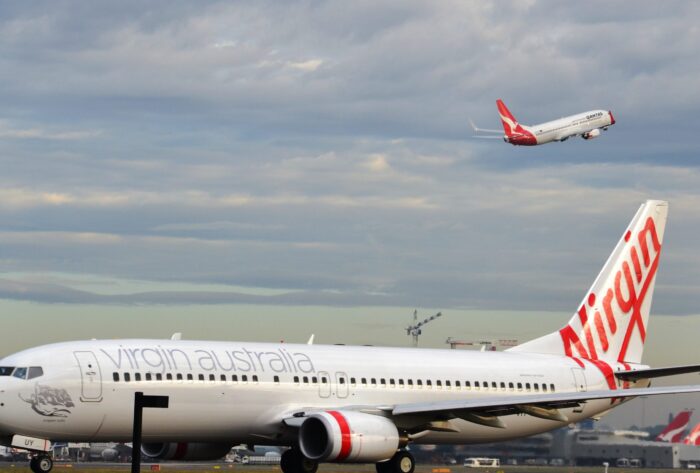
346 440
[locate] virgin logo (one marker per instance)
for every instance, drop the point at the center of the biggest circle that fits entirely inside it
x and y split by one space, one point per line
621 307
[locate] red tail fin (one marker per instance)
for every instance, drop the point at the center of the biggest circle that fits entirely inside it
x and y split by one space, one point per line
509 122
673 432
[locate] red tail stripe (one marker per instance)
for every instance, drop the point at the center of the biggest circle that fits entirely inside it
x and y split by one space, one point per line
346 439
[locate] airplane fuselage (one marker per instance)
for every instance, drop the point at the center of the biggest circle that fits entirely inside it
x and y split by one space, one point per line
241 392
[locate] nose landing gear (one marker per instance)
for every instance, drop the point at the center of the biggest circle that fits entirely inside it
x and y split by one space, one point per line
41 463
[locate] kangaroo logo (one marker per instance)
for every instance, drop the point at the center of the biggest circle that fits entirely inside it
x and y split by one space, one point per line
49 402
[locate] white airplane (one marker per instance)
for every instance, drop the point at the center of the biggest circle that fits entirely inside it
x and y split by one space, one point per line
586 124
345 403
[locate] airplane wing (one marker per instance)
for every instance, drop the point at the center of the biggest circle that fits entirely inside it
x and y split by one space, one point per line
543 404
657 372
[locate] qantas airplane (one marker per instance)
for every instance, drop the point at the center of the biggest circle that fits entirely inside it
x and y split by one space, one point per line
586 124
346 403
673 433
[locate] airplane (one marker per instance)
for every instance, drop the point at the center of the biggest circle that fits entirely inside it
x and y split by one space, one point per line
693 437
586 124
346 404
673 433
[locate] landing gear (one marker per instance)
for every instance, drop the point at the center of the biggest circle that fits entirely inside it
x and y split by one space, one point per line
401 462
294 462
41 464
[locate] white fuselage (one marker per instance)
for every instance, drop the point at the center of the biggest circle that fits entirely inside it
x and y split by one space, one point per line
241 392
563 128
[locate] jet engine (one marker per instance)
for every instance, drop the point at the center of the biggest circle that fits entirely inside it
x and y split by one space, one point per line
589 135
348 436
192 451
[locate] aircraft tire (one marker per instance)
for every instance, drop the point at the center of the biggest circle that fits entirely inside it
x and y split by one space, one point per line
402 462
41 464
293 461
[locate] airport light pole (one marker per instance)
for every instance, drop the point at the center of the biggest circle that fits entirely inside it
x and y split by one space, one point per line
142 401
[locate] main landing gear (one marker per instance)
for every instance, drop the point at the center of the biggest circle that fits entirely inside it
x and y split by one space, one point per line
294 462
41 463
401 462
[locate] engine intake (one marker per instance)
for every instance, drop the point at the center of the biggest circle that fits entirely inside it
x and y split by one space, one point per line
348 436
193 451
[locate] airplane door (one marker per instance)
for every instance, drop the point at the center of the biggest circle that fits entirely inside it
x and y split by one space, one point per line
324 384
90 375
341 384
579 379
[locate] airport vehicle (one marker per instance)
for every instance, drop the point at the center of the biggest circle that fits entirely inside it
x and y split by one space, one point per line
587 125
481 462
673 433
346 403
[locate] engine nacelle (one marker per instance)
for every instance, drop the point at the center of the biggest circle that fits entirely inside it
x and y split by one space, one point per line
348 436
189 451
589 135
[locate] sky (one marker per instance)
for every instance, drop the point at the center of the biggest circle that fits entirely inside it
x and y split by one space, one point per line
262 170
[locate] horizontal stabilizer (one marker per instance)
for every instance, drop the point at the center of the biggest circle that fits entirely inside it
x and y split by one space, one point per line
657 372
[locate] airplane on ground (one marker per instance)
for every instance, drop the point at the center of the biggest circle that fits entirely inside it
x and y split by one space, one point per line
346 403
673 433
693 437
586 124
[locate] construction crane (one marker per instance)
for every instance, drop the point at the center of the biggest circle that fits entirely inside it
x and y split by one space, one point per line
415 329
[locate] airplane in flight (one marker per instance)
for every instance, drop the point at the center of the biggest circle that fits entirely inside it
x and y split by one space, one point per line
586 124
354 404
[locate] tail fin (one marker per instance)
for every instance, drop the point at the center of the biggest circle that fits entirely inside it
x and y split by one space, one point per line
693 437
510 124
610 325
673 433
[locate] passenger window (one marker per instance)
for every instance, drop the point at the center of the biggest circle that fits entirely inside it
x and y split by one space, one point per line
137 376
35 372
127 377
20 373
148 377
115 377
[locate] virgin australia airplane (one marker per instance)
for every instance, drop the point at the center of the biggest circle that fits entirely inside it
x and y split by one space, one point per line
346 403
586 124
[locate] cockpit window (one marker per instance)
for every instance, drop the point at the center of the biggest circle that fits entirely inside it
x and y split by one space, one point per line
35 372
6 370
20 373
